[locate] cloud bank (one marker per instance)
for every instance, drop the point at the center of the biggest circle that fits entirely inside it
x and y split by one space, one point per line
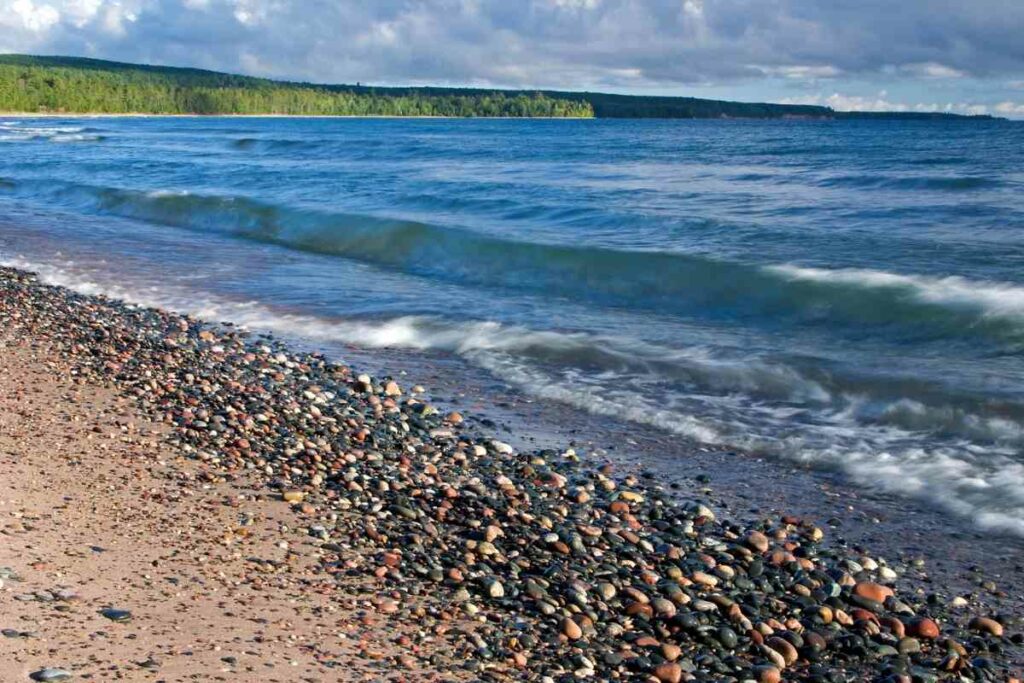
612 44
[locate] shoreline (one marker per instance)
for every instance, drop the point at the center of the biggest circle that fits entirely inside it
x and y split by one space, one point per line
602 574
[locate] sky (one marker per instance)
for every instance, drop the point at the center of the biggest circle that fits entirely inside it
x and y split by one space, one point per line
964 56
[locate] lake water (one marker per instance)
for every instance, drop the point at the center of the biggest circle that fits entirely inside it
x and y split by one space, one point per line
848 295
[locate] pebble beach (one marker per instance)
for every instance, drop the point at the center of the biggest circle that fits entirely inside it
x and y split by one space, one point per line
184 500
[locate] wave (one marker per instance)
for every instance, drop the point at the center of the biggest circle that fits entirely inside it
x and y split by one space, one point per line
13 133
995 299
936 183
271 144
938 161
319 147
78 137
903 456
909 307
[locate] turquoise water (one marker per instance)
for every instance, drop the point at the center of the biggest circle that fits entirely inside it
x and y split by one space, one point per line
846 294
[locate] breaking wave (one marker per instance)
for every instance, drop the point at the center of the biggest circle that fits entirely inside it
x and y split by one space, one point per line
917 307
764 407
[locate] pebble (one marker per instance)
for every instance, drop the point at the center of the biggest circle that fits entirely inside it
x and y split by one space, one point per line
986 625
571 629
49 674
873 591
757 541
119 615
767 674
922 627
669 672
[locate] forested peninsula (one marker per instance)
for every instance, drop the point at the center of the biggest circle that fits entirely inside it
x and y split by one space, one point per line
74 85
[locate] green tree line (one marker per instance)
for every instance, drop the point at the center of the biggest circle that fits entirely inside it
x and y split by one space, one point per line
29 86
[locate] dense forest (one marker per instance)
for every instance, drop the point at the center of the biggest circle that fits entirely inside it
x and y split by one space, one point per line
78 85
67 85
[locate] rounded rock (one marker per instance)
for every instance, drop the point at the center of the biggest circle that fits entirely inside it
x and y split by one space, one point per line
985 625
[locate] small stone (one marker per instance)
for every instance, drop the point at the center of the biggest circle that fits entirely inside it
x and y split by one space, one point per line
757 541
909 646
293 496
923 627
502 447
118 615
665 609
701 510
986 625
571 629
873 591
767 674
784 648
49 674
669 672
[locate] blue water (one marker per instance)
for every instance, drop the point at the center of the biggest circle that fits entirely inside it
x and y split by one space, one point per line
845 294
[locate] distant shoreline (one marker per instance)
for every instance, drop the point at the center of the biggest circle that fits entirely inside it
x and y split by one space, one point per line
32 82
842 116
80 115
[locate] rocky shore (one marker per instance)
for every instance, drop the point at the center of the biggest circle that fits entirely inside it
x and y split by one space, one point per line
487 563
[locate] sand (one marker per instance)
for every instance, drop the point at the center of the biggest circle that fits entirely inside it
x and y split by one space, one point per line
93 501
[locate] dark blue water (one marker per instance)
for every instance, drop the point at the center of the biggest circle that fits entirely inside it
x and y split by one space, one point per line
846 294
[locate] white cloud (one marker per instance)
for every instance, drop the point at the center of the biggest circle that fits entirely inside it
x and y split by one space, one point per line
881 102
932 70
577 4
609 44
80 12
30 16
801 72
1013 109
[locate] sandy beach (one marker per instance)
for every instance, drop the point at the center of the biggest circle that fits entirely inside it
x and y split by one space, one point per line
185 502
98 512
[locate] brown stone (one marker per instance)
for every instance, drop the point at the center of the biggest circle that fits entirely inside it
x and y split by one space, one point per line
986 625
669 672
784 648
872 591
895 626
757 541
571 630
923 627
